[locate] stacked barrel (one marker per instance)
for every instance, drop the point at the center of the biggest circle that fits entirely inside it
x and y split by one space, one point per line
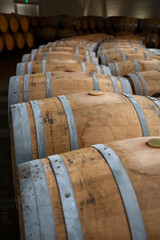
85 139
15 32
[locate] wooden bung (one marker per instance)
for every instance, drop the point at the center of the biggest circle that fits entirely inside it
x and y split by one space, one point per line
45 85
99 192
131 66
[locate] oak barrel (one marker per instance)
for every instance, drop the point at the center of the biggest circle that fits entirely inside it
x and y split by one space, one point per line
44 85
59 65
134 65
106 191
69 122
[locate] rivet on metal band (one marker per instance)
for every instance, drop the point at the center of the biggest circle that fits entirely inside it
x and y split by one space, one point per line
48 85
83 66
136 64
111 67
36 204
155 100
33 56
41 142
125 85
21 133
43 66
72 128
145 89
95 81
117 69
123 56
26 88
69 205
106 70
98 69
130 202
20 68
115 84
13 90
136 83
25 58
140 114
29 67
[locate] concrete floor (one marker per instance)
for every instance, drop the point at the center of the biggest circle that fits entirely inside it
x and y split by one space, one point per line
9 228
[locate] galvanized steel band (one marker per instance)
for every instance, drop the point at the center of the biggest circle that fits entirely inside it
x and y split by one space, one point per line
136 64
21 133
140 114
48 85
145 89
36 204
136 83
41 142
95 81
26 88
130 202
69 205
72 128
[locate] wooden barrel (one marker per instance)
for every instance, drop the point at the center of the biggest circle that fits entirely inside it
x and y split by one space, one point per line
65 33
29 39
102 51
59 65
47 33
131 66
70 22
87 57
118 57
152 40
106 191
45 85
3 23
23 22
13 22
84 23
8 41
69 122
43 22
34 22
19 40
53 22
145 83
91 22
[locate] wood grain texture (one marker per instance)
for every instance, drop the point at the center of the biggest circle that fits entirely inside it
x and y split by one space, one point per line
100 206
